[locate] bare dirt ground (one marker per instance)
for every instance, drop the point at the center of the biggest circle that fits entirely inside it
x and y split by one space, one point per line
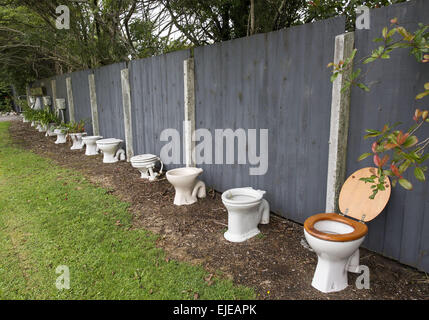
275 263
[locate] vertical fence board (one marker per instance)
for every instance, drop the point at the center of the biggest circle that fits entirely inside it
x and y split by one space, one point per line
62 93
82 104
109 101
157 97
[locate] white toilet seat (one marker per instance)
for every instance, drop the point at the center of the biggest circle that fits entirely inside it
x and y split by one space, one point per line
109 141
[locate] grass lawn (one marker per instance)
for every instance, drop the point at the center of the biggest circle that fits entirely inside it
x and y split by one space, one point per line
51 217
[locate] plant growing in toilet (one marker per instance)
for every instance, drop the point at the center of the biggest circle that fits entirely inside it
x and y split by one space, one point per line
76 130
394 150
76 127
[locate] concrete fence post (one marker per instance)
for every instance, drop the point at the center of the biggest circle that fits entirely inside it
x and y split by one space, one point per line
28 92
54 96
126 103
94 108
189 123
340 112
70 99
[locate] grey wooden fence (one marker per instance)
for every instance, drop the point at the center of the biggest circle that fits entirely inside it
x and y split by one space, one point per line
157 99
82 105
277 81
109 100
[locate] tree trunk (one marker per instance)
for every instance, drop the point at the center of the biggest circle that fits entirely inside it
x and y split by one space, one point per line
252 17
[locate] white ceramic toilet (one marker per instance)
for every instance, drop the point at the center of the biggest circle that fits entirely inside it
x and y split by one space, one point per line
41 127
61 136
77 140
110 149
50 130
146 163
246 209
186 184
91 145
336 238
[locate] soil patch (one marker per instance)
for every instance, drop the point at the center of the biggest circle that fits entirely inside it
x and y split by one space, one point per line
275 263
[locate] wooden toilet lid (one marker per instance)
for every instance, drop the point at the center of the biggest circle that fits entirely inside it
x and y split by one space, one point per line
354 198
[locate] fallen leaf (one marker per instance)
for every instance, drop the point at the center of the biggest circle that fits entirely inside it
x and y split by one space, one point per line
209 277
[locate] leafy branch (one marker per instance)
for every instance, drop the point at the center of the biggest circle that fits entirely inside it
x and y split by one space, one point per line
394 149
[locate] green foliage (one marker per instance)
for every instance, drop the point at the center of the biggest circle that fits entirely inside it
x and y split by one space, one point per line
76 127
403 150
108 31
48 117
323 9
378 182
30 114
5 98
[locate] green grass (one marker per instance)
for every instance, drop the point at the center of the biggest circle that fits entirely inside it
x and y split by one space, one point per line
50 216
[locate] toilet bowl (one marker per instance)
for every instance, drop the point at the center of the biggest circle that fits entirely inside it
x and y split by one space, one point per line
246 209
110 149
186 184
146 164
336 238
91 145
42 127
77 140
61 136
50 130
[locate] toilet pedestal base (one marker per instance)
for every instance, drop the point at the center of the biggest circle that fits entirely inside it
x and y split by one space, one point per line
353 263
330 276
187 196
91 149
61 138
241 237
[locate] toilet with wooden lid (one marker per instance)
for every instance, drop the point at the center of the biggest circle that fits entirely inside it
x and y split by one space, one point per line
336 237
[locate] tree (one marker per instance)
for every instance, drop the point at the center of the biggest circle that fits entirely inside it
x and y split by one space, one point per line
108 31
